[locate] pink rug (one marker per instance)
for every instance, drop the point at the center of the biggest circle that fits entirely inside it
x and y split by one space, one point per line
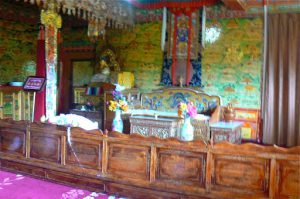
16 186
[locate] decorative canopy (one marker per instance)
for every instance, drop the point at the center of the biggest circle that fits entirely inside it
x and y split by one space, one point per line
116 10
99 13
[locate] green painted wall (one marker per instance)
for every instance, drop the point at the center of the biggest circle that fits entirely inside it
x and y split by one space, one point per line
140 52
17 51
232 63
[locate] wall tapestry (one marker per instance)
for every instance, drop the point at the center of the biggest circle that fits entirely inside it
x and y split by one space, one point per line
183 28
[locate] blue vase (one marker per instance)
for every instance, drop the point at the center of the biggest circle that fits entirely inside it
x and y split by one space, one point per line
117 123
187 130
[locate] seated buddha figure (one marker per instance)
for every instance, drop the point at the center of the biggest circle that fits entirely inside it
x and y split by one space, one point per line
103 76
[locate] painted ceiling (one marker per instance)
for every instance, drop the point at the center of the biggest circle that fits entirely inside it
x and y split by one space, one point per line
249 6
154 4
220 8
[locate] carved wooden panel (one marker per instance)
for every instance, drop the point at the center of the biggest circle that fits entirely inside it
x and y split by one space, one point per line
92 183
149 126
12 141
81 154
220 133
240 173
181 167
138 193
127 161
19 167
288 179
45 147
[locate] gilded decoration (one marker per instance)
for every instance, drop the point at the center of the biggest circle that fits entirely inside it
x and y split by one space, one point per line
100 14
51 18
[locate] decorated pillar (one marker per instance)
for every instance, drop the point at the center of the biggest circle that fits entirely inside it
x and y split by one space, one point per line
52 22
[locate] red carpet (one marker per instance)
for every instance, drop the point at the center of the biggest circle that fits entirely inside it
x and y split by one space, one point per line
16 186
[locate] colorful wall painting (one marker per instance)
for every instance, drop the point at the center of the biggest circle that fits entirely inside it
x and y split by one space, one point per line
75 37
232 62
17 50
139 52
83 72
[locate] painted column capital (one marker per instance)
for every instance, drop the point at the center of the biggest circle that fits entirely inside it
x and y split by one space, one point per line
51 18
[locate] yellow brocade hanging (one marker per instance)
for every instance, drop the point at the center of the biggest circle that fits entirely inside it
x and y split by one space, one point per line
126 79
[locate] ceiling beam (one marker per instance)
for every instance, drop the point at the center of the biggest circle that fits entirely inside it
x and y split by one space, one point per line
235 4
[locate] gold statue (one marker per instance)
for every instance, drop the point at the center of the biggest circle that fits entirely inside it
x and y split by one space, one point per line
105 67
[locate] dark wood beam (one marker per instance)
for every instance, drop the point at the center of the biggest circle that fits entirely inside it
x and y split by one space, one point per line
235 4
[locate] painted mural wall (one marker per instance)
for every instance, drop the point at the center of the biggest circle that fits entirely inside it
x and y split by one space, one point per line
232 60
231 63
140 53
17 50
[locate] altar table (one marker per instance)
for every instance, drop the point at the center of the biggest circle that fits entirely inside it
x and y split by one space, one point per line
165 127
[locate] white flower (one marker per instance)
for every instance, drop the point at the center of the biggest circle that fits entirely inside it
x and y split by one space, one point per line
119 88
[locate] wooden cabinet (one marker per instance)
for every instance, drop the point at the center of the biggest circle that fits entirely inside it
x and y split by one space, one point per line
81 99
226 131
15 103
79 95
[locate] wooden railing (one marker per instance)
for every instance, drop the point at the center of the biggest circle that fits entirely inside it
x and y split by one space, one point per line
149 167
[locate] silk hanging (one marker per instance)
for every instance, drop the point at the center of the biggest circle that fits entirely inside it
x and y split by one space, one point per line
184 44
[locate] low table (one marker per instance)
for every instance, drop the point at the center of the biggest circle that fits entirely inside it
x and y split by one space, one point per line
151 126
229 131
164 127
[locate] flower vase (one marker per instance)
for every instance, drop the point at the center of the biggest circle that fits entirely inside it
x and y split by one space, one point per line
117 123
187 130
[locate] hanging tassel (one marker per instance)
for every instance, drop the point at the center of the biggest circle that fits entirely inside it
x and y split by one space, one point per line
59 40
64 9
84 15
38 2
174 51
164 28
203 26
188 64
41 35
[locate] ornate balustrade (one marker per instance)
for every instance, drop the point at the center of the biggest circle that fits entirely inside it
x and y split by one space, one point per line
149 167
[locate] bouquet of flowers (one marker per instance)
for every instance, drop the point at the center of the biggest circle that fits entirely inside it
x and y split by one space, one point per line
119 101
187 109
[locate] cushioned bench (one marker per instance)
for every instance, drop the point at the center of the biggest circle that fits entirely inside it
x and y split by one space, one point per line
164 103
